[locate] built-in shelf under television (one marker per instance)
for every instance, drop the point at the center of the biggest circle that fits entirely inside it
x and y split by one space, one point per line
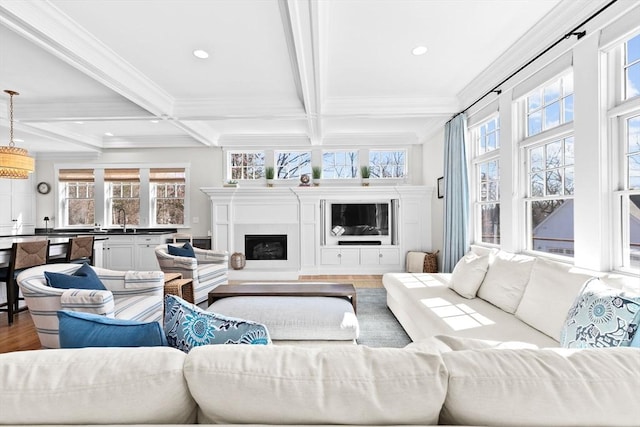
354 223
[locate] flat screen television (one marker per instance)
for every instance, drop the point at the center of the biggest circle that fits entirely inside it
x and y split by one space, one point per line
365 222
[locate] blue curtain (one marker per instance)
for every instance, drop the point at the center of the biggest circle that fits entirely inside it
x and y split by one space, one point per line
456 193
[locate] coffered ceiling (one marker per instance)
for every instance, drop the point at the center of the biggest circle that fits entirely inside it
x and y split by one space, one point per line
100 74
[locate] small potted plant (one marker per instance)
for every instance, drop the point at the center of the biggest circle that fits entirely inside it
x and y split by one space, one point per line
231 183
365 173
269 173
316 173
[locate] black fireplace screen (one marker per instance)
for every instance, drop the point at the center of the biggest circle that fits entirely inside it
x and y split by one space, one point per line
265 246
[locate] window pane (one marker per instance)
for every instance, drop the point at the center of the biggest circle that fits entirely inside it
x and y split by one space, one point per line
634 230
634 172
490 223
568 181
569 156
554 154
633 135
246 165
535 123
633 50
552 93
339 164
633 81
567 85
554 183
552 226
292 164
552 115
568 109
536 161
537 185
533 101
387 164
81 212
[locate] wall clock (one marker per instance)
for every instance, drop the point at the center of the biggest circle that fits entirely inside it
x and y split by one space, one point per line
43 188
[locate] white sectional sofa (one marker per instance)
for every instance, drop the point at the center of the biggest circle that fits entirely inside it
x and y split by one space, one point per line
464 383
518 298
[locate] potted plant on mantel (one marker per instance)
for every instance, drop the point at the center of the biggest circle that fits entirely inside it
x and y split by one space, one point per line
365 173
269 173
316 173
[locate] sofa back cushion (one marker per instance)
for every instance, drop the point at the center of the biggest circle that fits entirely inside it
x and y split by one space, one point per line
550 387
142 385
551 291
468 273
506 278
315 385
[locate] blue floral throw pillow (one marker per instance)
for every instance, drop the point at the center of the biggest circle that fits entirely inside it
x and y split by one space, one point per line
601 317
188 326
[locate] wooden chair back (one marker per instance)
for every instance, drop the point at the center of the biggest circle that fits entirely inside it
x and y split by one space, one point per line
80 248
182 236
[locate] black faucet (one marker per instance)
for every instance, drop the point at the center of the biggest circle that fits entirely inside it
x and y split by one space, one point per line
124 223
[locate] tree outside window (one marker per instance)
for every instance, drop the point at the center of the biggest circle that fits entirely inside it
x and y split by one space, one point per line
123 196
292 164
388 163
78 201
339 164
245 165
168 189
550 106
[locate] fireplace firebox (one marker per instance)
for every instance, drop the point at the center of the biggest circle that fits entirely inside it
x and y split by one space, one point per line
263 247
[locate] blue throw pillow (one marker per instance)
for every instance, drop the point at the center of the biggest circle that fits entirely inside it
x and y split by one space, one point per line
188 326
601 317
186 250
83 278
78 330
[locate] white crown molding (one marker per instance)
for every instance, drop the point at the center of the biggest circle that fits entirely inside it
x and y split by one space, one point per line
387 106
370 139
262 140
561 19
68 155
45 25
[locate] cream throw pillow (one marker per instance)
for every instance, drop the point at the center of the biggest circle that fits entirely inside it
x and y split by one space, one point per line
468 274
506 280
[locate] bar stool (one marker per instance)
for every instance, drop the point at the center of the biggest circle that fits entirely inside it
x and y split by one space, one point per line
80 250
23 255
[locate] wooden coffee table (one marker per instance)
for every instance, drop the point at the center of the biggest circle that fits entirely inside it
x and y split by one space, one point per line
301 289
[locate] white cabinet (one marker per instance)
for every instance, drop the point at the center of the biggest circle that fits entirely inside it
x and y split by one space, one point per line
379 256
17 198
134 252
339 256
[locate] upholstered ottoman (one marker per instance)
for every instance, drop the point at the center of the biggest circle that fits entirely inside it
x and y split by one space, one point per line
296 319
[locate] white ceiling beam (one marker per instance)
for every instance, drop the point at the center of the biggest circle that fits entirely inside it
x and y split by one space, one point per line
47 27
54 111
300 23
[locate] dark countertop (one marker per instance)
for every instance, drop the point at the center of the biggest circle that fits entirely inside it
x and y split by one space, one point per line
109 232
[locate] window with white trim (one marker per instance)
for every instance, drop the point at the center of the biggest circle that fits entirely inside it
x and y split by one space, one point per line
549 201
388 163
245 165
339 164
292 164
123 196
77 189
550 105
486 149
168 192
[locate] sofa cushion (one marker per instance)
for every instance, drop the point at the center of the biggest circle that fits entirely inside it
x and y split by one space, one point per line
188 326
85 386
316 385
549 387
83 278
185 250
79 330
601 317
551 290
506 279
468 273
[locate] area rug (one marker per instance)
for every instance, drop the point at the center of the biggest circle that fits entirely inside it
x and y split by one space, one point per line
378 325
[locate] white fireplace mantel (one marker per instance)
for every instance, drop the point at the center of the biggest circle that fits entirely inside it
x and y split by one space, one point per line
295 211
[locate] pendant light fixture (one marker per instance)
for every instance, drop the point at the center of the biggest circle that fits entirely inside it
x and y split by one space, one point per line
15 162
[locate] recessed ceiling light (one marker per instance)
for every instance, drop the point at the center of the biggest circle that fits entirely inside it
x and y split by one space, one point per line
419 50
18 140
199 53
108 134
155 121
78 122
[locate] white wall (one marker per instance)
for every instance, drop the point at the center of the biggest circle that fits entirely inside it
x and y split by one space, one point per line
205 171
432 169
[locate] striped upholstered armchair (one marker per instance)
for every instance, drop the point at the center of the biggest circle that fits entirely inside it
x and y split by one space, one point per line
208 269
132 295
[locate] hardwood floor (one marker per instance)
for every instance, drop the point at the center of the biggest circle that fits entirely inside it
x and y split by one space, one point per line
22 334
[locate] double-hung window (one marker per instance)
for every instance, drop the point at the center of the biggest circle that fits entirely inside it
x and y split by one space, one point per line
168 192
625 116
123 196
77 189
549 173
486 149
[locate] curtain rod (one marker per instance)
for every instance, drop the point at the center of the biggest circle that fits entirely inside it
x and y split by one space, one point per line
574 32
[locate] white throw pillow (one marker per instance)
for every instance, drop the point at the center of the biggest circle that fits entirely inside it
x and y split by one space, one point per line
506 280
468 274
